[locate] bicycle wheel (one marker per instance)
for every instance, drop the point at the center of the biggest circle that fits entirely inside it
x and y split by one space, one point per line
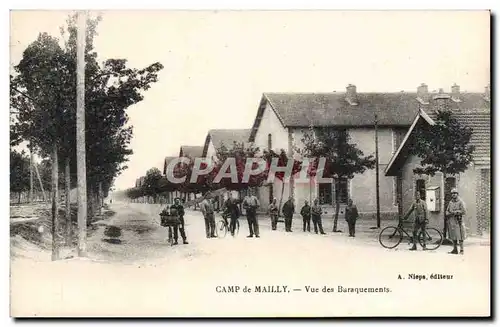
431 238
390 237
221 229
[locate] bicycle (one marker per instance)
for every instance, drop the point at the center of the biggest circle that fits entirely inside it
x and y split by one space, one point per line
223 226
391 236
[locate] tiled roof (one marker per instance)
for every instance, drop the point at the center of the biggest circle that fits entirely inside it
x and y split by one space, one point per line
226 137
192 151
332 109
480 122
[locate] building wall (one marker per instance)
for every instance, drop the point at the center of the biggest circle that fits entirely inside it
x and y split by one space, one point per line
467 184
270 124
210 150
483 200
361 187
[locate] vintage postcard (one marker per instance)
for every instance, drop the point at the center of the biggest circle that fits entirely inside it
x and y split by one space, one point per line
250 163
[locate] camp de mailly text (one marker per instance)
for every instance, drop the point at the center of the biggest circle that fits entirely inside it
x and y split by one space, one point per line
307 289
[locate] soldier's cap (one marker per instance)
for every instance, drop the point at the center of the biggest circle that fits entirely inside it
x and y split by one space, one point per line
454 190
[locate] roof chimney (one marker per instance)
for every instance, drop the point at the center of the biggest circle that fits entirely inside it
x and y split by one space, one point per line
423 93
350 95
442 101
455 93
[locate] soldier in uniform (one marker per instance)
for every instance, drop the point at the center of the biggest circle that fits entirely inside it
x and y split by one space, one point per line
288 211
177 206
251 203
207 208
305 212
420 209
351 215
316 217
273 212
455 213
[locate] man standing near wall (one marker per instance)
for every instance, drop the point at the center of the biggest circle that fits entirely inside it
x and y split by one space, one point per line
455 212
420 209
250 204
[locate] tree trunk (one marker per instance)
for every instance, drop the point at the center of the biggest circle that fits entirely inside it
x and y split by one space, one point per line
55 202
90 205
337 206
18 197
100 198
31 175
68 202
80 135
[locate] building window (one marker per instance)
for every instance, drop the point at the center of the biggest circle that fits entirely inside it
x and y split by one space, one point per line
325 193
269 141
420 188
343 190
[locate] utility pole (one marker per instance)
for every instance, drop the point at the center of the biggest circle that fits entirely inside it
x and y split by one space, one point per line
376 172
80 134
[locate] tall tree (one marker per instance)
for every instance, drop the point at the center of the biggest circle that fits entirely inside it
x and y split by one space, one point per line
343 160
43 91
152 183
19 173
443 147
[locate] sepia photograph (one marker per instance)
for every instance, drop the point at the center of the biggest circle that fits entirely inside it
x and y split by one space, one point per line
250 163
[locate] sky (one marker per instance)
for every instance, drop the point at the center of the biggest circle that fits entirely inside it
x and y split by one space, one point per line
217 64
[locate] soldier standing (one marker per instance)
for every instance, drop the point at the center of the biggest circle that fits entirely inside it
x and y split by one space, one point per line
351 215
251 203
179 210
305 212
207 208
455 212
273 212
420 209
316 217
288 211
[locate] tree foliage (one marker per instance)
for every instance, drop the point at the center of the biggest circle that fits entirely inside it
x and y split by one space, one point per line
19 171
342 158
43 90
443 147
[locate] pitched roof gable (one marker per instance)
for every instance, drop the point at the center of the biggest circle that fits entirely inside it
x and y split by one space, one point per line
192 151
480 122
226 137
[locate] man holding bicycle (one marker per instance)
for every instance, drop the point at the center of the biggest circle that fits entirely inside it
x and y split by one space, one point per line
420 209
178 209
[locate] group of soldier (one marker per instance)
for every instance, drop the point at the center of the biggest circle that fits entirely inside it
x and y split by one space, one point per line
455 212
251 204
